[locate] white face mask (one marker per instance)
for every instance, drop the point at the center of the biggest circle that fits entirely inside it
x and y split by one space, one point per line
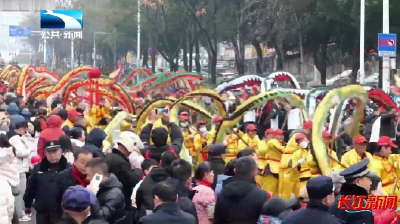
304 144
184 124
203 129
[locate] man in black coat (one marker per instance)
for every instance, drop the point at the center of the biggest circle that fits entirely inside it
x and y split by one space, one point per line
167 211
240 200
321 194
181 178
119 165
358 183
216 161
42 185
144 194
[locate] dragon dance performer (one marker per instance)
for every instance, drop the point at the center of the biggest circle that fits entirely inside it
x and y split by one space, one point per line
327 138
357 154
262 155
383 164
272 170
250 139
202 141
300 172
286 185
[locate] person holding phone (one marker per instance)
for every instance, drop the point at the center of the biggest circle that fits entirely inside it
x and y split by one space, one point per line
159 137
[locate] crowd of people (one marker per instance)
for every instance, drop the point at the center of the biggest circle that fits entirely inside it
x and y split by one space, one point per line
53 163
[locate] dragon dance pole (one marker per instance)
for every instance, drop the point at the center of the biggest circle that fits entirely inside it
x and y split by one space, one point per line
138 39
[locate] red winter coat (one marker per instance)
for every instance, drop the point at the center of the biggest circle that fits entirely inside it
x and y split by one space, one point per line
52 132
383 216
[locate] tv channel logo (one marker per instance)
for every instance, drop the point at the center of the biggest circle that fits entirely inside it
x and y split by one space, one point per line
61 19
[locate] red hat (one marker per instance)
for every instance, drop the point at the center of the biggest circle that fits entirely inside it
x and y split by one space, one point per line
307 125
326 134
360 139
199 123
74 113
269 131
251 127
386 141
218 119
278 132
300 137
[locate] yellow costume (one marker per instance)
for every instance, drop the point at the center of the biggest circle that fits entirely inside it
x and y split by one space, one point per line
201 152
273 153
286 185
384 168
188 141
67 123
232 141
248 141
299 177
351 157
313 166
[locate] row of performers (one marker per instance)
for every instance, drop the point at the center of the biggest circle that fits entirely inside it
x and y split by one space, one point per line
286 167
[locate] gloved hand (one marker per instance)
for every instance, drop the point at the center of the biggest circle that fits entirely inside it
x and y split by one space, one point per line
301 161
235 130
28 211
225 143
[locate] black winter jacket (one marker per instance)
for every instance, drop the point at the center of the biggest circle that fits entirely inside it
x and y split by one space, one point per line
118 164
111 201
240 201
168 213
315 213
144 195
42 186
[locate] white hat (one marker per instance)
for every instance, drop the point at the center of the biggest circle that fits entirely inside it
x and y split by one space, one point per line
130 140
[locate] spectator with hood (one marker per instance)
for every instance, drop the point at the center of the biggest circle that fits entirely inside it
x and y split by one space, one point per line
26 114
13 115
159 137
94 142
52 132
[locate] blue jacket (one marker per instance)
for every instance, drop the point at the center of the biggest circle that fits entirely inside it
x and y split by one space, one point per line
13 115
42 186
220 180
